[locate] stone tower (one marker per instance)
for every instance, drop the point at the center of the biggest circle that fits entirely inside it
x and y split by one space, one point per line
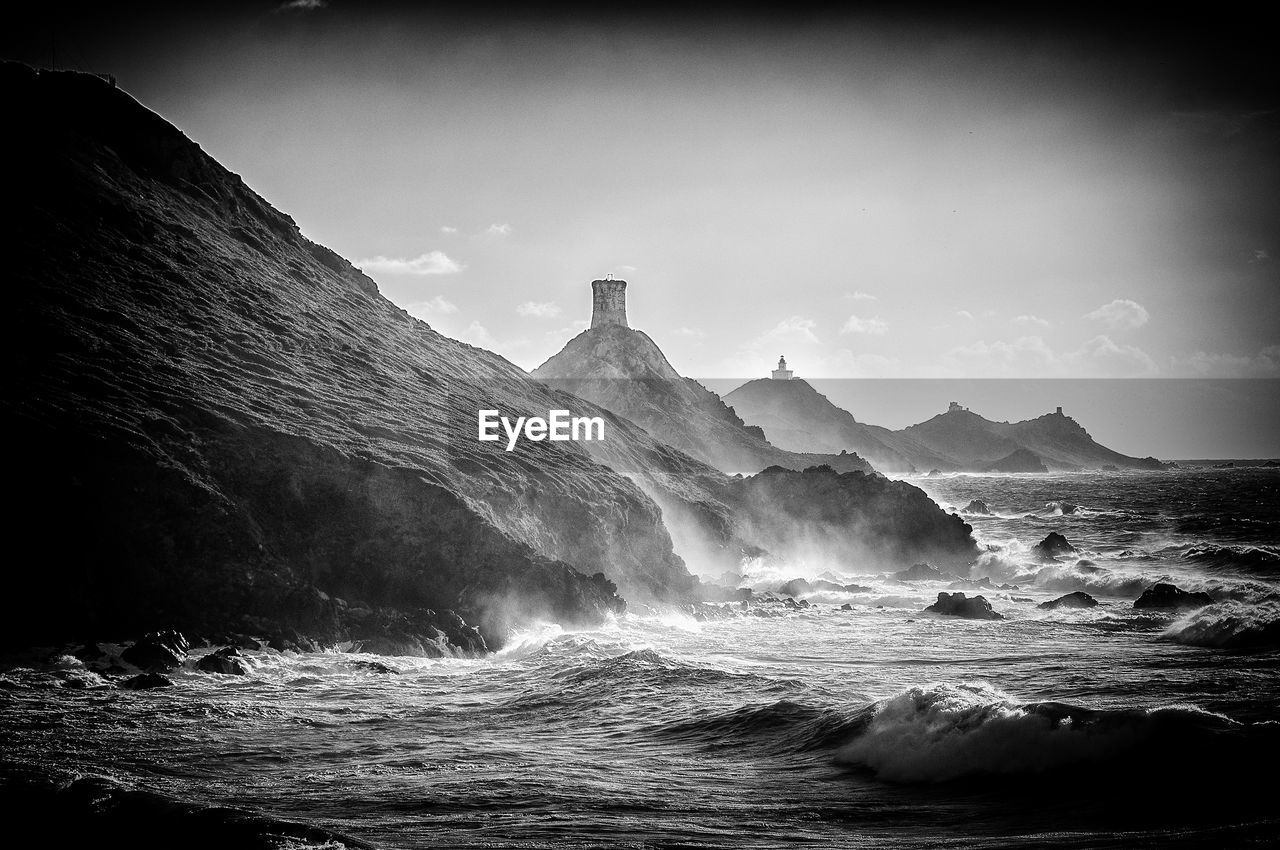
608 302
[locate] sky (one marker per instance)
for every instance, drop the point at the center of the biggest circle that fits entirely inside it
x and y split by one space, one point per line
873 194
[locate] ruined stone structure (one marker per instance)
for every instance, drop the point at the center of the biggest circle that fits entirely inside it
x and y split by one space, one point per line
609 302
782 373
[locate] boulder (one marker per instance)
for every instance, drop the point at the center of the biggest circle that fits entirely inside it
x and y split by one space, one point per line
157 651
1079 599
1051 547
958 605
228 661
977 506
1169 597
147 681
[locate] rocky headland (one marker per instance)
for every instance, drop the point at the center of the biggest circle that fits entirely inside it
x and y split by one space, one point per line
223 428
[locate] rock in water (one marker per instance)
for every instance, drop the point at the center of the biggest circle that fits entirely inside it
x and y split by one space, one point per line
957 605
146 682
1079 599
157 651
977 506
1052 546
1169 597
228 661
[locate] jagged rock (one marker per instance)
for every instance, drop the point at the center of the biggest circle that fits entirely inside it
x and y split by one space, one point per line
1170 597
147 681
958 605
157 651
977 506
1079 599
228 661
846 607
1053 545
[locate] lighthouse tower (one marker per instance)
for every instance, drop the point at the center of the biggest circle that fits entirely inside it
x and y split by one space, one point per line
608 302
782 373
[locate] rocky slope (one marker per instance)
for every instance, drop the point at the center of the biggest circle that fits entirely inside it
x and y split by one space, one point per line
214 416
220 426
795 415
624 371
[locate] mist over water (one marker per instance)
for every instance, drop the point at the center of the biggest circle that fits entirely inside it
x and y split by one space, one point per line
873 726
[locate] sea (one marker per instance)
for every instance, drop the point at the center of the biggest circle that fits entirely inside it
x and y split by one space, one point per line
857 721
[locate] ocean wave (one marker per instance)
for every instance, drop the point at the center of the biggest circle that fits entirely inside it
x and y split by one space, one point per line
785 726
1248 557
1233 625
946 731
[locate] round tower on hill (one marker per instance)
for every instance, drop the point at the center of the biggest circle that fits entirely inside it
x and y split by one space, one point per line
609 302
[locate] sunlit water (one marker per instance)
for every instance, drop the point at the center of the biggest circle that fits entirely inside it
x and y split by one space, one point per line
876 726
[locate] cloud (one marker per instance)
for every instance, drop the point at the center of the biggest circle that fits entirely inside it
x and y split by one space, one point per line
301 5
432 306
965 314
854 325
499 229
1121 313
539 309
1264 364
476 334
860 296
1260 255
1031 320
1102 357
793 329
1032 357
432 262
448 229
692 333
625 268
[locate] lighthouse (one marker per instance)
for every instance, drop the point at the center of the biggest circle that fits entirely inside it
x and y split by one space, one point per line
782 373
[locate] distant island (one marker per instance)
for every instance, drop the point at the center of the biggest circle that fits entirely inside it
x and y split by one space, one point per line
796 416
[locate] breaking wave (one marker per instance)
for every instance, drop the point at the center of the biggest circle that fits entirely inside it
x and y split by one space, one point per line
946 731
1233 625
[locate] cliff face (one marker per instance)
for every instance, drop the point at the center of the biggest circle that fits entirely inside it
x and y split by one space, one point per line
798 417
214 416
624 371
